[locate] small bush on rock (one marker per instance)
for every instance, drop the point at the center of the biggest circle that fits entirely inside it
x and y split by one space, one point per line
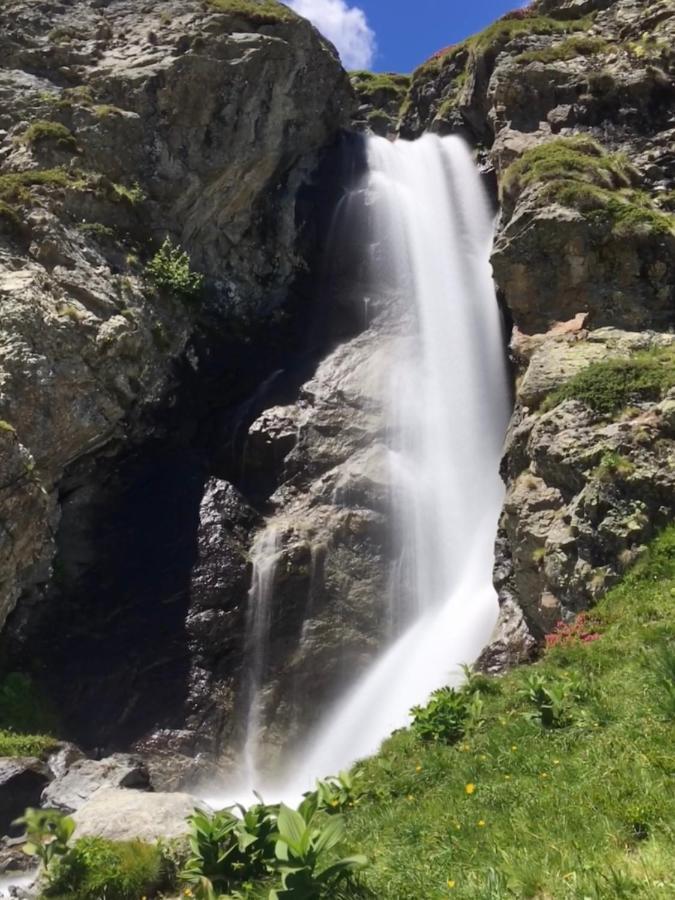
44 131
610 386
170 269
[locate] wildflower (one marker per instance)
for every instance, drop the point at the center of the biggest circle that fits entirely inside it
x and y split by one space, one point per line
481 823
544 775
410 797
508 777
513 747
333 803
470 788
187 892
418 768
451 883
483 757
556 762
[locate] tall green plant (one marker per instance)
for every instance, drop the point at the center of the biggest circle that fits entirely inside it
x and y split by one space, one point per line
301 850
48 832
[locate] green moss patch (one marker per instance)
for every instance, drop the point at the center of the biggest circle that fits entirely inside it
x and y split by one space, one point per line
612 385
579 174
16 186
43 131
258 12
368 84
561 789
578 45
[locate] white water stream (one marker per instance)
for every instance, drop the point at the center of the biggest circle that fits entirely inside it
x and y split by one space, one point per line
431 233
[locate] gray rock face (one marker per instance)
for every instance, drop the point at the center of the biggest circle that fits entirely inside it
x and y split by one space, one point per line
585 493
178 119
131 815
81 780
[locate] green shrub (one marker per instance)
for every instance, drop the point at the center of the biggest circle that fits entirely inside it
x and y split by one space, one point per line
43 131
170 269
554 699
444 717
258 12
96 869
13 744
614 465
609 386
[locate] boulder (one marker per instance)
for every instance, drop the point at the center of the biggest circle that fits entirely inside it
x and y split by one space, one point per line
119 815
84 777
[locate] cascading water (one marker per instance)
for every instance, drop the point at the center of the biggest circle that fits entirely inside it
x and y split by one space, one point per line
264 558
429 228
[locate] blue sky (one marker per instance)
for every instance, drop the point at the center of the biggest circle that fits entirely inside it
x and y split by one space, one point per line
397 35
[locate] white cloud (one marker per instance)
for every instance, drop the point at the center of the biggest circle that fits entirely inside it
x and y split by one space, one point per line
345 26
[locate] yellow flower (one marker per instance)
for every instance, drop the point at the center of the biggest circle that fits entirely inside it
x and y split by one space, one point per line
508 777
481 823
410 797
544 774
556 762
470 788
333 803
483 757
513 747
418 768
451 883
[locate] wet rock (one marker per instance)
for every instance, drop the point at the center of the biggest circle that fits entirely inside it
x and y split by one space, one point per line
70 791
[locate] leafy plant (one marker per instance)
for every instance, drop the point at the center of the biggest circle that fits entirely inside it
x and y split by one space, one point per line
96 869
554 700
227 850
301 847
48 832
443 718
338 792
53 132
170 268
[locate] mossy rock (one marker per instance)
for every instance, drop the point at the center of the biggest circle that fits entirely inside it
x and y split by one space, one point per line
44 131
257 12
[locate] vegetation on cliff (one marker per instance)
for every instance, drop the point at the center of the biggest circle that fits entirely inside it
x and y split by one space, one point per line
576 172
259 12
611 385
560 787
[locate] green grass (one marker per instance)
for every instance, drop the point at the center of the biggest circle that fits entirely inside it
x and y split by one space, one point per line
578 159
259 12
27 721
43 131
496 36
558 813
10 221
370 83
115 870
15 186
609 386
579 174
577 45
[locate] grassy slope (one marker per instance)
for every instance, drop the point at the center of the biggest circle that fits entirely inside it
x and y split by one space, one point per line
582 811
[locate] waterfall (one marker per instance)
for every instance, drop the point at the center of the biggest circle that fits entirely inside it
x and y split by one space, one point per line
431 226
428 232
264 559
